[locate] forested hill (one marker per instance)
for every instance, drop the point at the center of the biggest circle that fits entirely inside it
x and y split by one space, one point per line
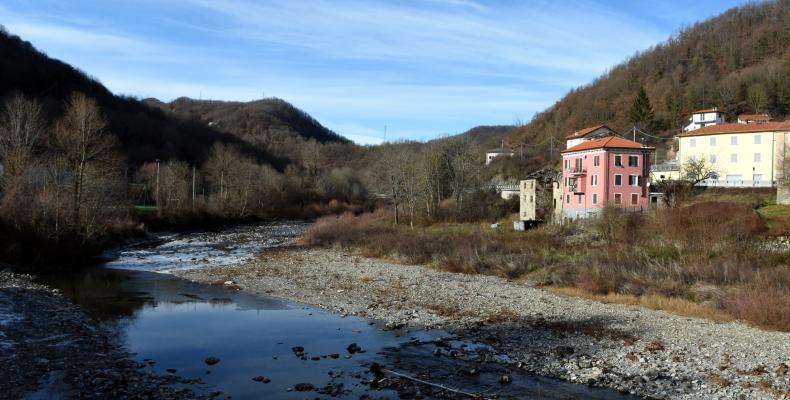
148 133
738 61
270 118
271 124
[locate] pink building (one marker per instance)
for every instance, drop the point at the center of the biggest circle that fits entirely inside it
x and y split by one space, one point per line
605 171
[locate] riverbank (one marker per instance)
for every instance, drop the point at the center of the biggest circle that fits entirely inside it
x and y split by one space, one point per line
645 352
49 348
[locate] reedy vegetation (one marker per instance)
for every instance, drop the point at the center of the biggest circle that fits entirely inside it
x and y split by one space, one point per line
689 253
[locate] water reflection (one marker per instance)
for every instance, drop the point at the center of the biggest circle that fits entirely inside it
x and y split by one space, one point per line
171 324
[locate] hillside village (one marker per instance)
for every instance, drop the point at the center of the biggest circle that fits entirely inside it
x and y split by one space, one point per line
601 167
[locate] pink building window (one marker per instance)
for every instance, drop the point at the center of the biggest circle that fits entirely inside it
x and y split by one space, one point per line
596 161
618 198
618 161
634 199
618 180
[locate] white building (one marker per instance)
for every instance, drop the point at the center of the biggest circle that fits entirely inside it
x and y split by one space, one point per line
589 133
702 118
499 151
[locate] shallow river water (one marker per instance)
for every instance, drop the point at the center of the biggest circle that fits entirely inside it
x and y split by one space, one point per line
173 326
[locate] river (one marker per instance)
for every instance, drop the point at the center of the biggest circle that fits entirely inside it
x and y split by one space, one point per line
268 347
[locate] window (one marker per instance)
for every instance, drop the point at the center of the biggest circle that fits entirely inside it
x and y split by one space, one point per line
618 198
567 164
757 178
595 198
634 199
618 161
633 161
596 161
758 139
713 141
579 198
578 164
733 140
618 180
594 180
633 180
713 159
693 143
568 198
757 157
733 158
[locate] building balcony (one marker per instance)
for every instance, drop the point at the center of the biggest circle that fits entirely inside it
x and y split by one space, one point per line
576 189
579 171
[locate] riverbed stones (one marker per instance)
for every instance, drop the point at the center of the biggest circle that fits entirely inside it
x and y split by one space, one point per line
542 330
55 342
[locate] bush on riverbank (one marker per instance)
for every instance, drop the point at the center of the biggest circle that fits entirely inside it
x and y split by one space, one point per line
691 253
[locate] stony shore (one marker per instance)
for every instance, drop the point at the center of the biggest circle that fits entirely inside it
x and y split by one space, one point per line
650 353
49 348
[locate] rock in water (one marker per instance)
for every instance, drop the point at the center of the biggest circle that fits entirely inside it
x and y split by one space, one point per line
212 360
353 348
262 379
505 379
304 387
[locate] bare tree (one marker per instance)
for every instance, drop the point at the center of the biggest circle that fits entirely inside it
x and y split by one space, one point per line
85 147
464 162
696 170
21 127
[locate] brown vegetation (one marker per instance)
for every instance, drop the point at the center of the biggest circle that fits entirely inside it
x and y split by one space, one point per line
735 61
690 260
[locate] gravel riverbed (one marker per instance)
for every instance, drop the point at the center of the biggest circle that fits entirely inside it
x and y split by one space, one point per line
649 353
51 349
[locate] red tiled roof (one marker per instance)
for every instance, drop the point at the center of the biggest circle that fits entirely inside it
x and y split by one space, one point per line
738 128
583 132
752 117
610 142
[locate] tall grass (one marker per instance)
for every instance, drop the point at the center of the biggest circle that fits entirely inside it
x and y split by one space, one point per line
709 254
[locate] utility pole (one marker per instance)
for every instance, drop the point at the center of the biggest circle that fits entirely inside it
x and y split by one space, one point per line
158 208
634 138
193 186
221 184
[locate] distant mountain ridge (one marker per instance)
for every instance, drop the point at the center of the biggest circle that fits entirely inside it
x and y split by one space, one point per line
266 117
150 129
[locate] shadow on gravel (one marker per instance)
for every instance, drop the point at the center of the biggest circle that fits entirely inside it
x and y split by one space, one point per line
582 350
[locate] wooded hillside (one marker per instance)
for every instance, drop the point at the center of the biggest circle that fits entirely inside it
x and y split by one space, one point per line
147 133
738 61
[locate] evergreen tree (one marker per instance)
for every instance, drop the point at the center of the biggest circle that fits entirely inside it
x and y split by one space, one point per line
641 113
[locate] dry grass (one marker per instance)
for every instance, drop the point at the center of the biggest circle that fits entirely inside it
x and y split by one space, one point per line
653 302
690 261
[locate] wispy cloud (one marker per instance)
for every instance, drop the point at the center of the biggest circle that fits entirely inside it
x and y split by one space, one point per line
422 67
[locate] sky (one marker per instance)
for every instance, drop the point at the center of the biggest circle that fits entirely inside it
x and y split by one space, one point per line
422 69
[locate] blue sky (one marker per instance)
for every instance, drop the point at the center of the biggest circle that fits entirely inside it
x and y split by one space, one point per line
422 68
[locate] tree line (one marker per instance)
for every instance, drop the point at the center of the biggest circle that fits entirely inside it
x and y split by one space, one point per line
66 182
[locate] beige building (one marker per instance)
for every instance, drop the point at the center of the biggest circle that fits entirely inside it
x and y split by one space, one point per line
667 171
742 154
